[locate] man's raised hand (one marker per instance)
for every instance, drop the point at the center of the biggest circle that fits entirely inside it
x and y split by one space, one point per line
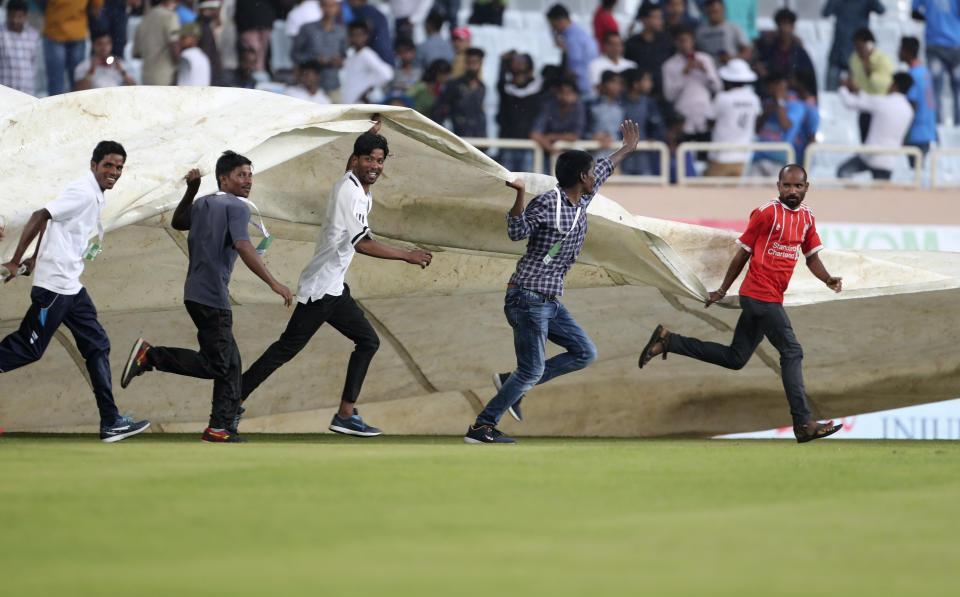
631 134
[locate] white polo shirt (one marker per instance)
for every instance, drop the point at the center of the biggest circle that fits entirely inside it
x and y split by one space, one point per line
344 227
74 216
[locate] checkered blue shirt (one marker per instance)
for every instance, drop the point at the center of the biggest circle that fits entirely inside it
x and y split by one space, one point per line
18 57
538 222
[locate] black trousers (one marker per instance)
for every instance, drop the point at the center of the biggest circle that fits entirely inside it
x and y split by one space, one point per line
757 319
341 312
218 359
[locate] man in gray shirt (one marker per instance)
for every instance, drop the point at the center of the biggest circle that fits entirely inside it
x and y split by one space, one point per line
435 46
324 41
218 233
719 37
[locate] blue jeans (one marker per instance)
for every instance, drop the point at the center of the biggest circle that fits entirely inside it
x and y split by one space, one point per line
517 160
113 19
944 62
536 318
60 56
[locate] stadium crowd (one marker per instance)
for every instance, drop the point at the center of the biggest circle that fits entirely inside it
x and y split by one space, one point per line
683 69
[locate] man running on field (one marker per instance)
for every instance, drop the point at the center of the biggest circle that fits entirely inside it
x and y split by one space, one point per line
778 233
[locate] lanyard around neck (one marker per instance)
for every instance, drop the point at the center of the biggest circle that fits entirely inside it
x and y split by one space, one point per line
576 216
261 227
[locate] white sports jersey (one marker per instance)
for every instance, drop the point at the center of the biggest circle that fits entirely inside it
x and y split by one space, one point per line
735 113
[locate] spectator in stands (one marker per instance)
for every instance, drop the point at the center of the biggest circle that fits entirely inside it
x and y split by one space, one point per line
562 117
462 100
870 70
309 88
406 73
689 82
363 70
194 67
923 131
65 39
406 14
719 37
782 121
156 41
651 47
400 100
520 101
734 115
892 116
487 12
744 14
243 76
610 60
306 11
640 107
675 14
19 47
943 48
803 85
435 46
449 9
605 112
324 42
783 52
254 19
112 18
426 92
461 43
675 126
102 69
852 15
379 30
209 19
604 22
576 44
185 12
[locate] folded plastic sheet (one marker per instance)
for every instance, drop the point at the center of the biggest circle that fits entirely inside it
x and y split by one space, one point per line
884 342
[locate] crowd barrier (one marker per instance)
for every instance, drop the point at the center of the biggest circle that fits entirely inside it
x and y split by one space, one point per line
915 152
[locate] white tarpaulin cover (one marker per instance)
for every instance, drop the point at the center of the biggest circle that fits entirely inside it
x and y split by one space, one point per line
885 342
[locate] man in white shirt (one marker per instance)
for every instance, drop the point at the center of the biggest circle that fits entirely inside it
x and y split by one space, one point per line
324 297
734 113
307 11
65 226
194 67
102 69
309 87
891 117
19 49
363 70
610 60
689 82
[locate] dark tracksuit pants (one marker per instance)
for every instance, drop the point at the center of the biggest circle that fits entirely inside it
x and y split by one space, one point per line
757 319
47 311
341 312
218 359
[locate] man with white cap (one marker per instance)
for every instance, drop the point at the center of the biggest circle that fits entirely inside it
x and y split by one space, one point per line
734 113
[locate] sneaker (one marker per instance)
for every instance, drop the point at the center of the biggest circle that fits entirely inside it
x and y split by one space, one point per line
136 362
236 419
122 428
498 380
352 426
221 436
486 434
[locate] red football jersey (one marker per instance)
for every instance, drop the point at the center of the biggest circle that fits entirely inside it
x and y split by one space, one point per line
776 237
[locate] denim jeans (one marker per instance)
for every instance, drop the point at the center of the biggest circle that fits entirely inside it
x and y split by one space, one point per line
60 56
758 319
516 160
944 62
113 19
536 318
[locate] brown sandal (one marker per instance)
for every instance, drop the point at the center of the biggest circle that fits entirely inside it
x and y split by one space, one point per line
813 430
655 338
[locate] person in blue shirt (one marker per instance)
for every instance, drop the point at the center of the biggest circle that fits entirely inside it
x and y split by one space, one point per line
640 107
803 85
851 16
782 120
578 46
605 112
921 95
943 47
380 40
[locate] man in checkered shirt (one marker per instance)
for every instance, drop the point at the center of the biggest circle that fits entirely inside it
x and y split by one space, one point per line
19 48
556 224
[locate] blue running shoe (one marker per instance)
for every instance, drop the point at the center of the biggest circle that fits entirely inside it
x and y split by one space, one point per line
486 434
352 426
498 380
122 428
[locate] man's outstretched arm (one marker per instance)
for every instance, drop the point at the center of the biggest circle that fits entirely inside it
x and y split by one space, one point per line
252 260
733 272
35 225
818 269
368 246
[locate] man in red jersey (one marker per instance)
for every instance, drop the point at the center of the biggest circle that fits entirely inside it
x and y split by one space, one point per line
777 235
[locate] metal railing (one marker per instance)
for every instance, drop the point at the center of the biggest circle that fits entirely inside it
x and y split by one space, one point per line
813 150
646 146
935 155
689 146
529 144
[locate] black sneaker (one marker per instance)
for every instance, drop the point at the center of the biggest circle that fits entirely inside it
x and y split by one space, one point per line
486 434
221 436
352 426
136 362
122 428
498 380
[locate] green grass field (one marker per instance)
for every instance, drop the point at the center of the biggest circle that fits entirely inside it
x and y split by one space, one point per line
330 515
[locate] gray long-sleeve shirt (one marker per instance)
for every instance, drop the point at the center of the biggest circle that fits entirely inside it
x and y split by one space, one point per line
313 41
